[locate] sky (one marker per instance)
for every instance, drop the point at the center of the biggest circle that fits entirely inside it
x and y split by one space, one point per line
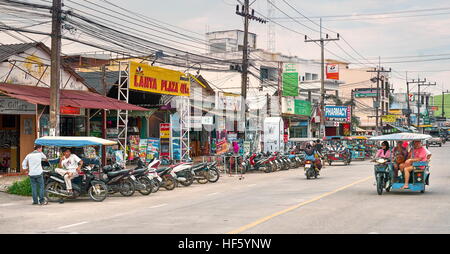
379 36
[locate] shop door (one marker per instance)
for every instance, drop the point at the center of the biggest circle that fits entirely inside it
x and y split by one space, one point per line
66 126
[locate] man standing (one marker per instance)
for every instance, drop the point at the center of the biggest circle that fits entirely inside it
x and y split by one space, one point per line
32 163
70 167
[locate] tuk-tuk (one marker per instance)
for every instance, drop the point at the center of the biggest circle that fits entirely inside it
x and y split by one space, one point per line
88 182
336 149
384 168
357 146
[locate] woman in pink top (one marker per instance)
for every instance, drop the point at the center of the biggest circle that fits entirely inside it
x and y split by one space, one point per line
384 152
418 154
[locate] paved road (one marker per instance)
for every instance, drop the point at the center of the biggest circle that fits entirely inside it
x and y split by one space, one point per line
342 200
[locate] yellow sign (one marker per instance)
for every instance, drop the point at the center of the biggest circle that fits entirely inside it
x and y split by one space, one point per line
395 111
147 78
389 118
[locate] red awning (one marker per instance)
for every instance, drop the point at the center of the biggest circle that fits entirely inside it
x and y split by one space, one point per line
72 98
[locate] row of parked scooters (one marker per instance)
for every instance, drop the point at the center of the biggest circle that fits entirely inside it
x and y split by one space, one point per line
97 182
271 162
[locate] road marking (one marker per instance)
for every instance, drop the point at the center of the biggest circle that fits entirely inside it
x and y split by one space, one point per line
156 206
8 204
73 225
214 193
262 220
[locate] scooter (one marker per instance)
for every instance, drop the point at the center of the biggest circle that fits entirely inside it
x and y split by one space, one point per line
118 179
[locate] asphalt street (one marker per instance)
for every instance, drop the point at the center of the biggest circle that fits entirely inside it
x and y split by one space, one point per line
342 200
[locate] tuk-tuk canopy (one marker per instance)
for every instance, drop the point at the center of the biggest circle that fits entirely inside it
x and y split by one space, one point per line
302 139
402 136
73 141
359 137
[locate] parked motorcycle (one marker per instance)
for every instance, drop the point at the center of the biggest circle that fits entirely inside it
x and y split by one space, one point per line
255 162
161 177
85 184
118 179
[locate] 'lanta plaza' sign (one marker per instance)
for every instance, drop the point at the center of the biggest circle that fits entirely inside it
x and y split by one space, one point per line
144 77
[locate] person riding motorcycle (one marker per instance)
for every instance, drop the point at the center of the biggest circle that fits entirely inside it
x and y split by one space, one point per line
312 155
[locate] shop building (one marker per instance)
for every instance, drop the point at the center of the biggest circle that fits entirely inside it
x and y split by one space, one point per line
25 100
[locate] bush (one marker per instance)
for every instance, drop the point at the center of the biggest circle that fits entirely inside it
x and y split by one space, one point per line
22 187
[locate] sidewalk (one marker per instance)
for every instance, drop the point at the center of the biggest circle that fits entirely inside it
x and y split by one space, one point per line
8 180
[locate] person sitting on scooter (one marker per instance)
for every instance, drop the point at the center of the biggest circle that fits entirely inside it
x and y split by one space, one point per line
384 152
418 154
70 166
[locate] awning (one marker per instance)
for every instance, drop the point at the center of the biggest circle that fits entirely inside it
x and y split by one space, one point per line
73 141
72 98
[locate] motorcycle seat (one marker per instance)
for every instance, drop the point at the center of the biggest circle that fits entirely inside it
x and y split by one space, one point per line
116 173
139 171
162 170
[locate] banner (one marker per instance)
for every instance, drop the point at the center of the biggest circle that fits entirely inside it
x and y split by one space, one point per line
228 101
389 118
288 106
147 78
290 79
164 131
333 71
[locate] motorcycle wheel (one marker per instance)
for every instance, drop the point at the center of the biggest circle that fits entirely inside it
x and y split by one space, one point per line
380 184
56 187
189 179
213 175
204 178
155 185
329 163
98 192
127 188
148 186
268 168
170 182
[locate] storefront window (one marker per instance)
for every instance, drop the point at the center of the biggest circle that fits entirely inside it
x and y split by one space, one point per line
298 132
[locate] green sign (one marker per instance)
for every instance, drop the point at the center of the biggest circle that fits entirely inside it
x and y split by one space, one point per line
302 108
290 84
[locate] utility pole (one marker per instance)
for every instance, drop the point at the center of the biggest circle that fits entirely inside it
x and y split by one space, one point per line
443 104
55 74
322 76
418 81
245 12
378 70
418 101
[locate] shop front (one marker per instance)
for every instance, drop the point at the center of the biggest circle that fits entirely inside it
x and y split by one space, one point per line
17 132
24 116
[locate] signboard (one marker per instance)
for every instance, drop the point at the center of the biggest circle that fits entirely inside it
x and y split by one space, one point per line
288 106
228 101
333 71
290 79
302 107
221 146
164 131
365 92
411 97
338 113
389 118
153 79
296 107
66 110
13 106
198 121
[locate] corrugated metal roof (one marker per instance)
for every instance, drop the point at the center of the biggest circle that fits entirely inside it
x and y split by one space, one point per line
8 50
